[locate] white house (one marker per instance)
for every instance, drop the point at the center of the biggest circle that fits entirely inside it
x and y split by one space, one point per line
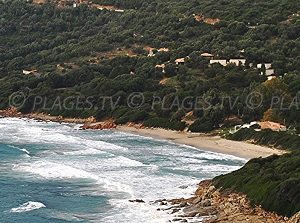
163 50
151 53
222 62
119 10
244 126
179 61
32 72
270 72
161 66
209 55
267 65
237 62
271 77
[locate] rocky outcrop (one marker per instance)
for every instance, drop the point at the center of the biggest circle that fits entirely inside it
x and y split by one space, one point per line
295 218
135 125
10 112
99 125
211 205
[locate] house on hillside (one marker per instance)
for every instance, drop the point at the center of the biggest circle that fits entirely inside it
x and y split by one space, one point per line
271 77
119 10
267 65
161 66
163 50
272 125
244 126
207 55
222 62
151 53
270 72
180 61
32 72
268 69
238 62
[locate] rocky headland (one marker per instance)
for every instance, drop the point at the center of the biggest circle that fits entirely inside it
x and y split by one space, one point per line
212 205
87 123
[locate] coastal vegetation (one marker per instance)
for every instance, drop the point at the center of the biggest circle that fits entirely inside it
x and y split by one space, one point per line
51 52
279 140
273 182
58 54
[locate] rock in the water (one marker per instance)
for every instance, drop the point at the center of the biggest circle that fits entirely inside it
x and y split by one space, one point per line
137 201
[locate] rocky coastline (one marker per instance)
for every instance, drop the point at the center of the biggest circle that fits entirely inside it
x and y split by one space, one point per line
212 205
209 204
87 123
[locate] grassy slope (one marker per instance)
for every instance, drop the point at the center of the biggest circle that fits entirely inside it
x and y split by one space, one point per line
273 182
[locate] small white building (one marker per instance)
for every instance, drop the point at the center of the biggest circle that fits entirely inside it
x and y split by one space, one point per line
271 77
222 62
161 66
32 72
237 62
163 50
244 126
180 61
151 53
270 72
119 10
267 65
208 55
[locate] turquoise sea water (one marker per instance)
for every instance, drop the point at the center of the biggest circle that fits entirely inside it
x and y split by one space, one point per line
52 172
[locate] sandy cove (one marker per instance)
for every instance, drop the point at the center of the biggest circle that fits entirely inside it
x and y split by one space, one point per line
204 142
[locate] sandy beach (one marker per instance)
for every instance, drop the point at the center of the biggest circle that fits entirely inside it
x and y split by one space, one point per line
210 143
199 140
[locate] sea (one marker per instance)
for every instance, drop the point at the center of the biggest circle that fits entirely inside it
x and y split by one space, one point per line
51 172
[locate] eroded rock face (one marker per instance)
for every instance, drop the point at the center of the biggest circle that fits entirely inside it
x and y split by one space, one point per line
295 218
99 125
10 112
211 205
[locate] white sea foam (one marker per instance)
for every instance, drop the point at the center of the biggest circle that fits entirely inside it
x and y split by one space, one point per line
21 149
89 151
28 206
120 165
120 161
50 170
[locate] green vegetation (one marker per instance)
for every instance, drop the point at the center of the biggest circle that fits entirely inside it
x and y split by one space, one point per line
94 53
273 182
165 123
280 140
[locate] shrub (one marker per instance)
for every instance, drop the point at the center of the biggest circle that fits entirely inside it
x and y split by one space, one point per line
165 123
273 182
201 125
281 140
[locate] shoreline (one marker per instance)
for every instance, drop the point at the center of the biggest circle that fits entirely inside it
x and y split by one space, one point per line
204 142
224 207
200 141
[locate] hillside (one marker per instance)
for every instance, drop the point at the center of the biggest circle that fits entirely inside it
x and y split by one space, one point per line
85 51
188 62
272 182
